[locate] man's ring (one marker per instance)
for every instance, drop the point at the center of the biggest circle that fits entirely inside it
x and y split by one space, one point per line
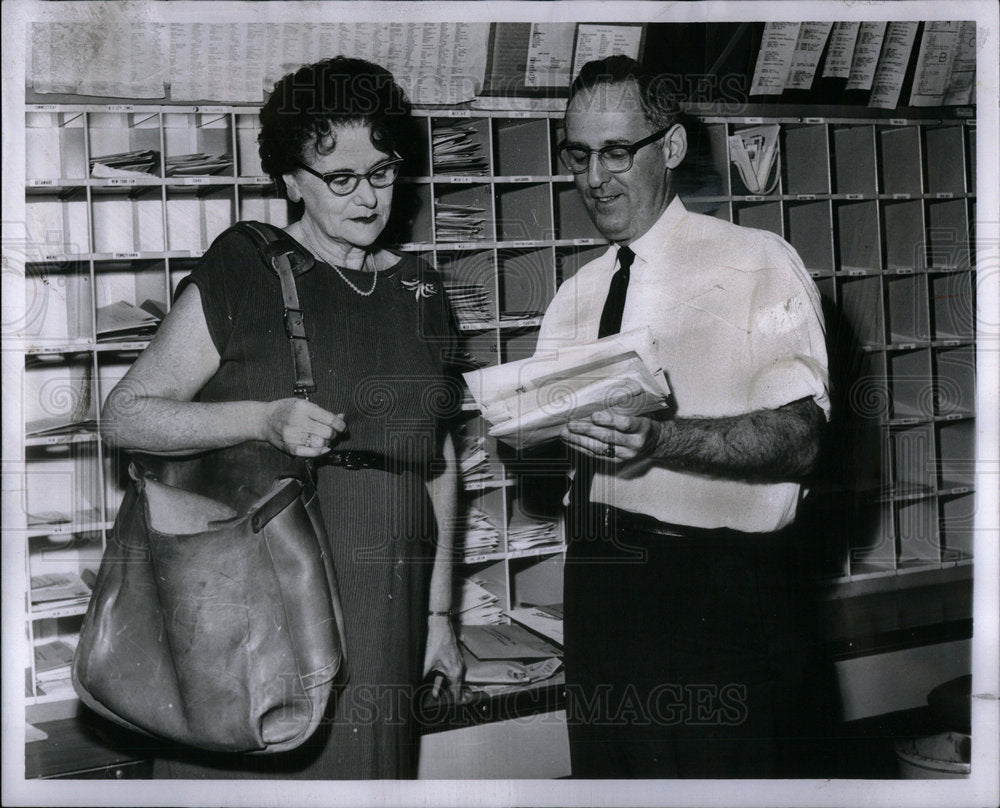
610 450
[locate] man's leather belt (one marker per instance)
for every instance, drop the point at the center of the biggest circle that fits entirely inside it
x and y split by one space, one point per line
641 523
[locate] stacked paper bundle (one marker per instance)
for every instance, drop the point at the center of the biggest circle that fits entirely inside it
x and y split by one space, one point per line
525 533
475 462
455 222
125 164
503 657
52 667
481 535
470 302
59 399
186 165
124 321
66 588
546 619
477 605
455 151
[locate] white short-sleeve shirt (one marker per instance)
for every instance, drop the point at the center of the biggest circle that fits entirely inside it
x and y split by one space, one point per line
739 327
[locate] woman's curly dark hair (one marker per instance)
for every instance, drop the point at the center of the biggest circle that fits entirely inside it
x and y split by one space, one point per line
307 106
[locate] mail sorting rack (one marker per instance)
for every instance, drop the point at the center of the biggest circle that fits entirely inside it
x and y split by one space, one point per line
878 208
881 212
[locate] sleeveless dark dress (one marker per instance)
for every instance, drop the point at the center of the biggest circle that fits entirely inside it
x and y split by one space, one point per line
380 361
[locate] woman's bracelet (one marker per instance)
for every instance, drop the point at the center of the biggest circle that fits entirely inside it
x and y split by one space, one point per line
445 613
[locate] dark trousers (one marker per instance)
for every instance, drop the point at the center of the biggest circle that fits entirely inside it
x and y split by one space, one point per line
684 654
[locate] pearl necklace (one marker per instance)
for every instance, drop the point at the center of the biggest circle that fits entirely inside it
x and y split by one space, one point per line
347 280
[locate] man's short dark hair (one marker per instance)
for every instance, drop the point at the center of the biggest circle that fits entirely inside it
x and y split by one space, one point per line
659 104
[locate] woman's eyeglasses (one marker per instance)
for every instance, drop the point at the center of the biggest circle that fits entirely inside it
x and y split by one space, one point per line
343 183
616 159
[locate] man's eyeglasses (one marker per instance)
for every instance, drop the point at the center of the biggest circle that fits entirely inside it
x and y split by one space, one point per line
616 159
343 183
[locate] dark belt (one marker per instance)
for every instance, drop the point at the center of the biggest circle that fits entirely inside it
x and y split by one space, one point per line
356 460
641 523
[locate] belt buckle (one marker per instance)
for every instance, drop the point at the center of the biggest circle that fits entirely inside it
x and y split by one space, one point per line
350 461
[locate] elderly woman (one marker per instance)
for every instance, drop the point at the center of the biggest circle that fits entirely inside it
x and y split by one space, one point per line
333 136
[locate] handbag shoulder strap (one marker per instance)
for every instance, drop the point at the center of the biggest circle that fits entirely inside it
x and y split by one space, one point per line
287 261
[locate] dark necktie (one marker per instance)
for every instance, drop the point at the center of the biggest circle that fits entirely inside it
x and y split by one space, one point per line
611 317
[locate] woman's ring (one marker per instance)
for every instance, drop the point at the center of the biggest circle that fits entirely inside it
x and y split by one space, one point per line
610 450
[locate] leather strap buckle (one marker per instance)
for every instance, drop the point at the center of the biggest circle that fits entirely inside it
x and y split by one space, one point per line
295 324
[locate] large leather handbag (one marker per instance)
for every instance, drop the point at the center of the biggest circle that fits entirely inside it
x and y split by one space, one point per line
215 620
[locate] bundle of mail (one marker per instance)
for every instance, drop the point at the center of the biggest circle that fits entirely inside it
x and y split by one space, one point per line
199 163
138 163
470 302
754 152
481 535
455 222
477 605
474 462
457 150
524 532
527 402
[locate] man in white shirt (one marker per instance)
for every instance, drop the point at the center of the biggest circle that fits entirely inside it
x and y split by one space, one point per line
682 647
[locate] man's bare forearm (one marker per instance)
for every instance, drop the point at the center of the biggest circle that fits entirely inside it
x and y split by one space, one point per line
764 445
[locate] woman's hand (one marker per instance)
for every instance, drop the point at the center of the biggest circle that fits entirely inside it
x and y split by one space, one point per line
442 653
300 427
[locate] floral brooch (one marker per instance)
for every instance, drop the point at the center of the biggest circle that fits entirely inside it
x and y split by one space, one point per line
420 288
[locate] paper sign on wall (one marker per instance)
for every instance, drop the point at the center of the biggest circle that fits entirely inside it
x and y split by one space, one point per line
550 55
865 59
601 41
891 70
774 61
